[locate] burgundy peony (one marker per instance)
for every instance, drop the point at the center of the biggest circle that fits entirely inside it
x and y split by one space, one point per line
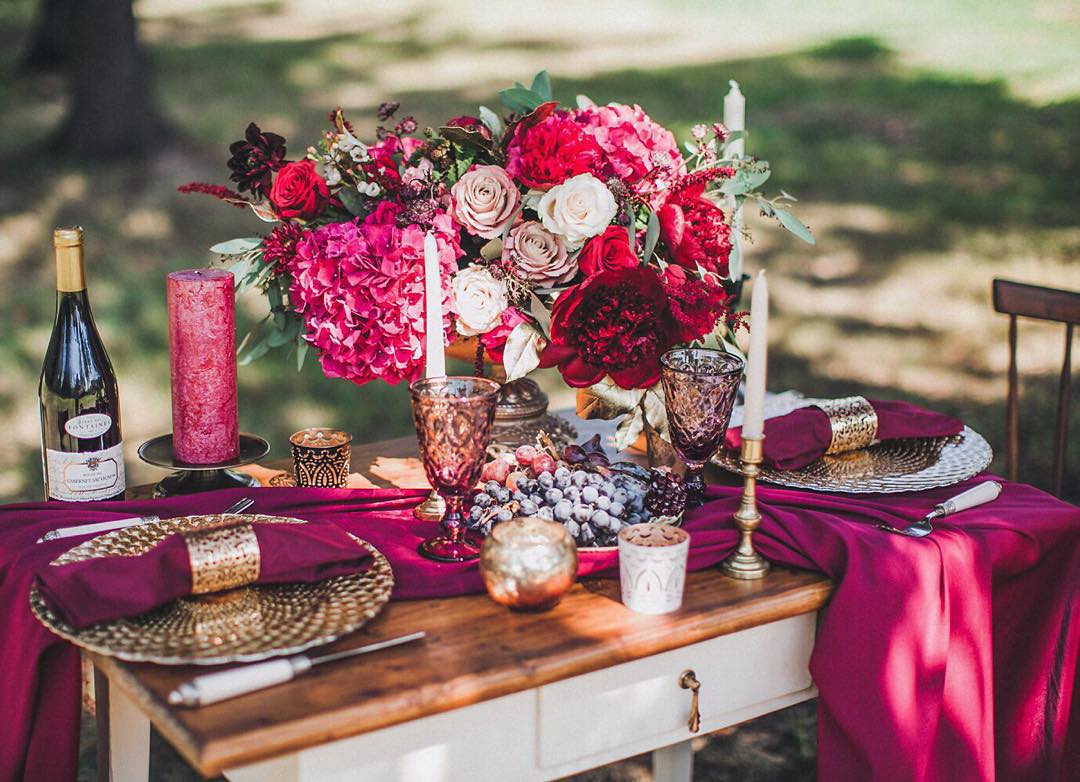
255 158
695 231
550 152
609 251
299 191
695 305
615 323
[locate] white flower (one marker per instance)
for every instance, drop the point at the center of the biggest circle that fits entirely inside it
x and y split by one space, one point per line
578 209
479 300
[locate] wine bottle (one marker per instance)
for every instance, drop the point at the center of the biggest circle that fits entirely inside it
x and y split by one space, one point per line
82 451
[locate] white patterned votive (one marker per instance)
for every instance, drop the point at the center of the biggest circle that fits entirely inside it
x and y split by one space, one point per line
652 567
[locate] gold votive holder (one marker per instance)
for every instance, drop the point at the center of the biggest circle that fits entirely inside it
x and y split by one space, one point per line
528 563
431 509
321 457
745 563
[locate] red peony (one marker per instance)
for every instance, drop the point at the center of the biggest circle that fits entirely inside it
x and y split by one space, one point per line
695 231
299 191
609 251
615 323
696 305
550 152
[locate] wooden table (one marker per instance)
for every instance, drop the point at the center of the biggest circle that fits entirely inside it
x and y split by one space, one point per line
490 694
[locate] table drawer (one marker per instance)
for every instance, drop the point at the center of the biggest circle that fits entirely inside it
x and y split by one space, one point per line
639 705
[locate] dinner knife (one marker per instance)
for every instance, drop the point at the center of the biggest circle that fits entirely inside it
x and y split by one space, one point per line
107 526
222 685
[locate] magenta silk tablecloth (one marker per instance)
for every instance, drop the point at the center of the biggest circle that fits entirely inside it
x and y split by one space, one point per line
952 657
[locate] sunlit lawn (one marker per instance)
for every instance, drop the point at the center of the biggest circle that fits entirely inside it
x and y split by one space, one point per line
921 182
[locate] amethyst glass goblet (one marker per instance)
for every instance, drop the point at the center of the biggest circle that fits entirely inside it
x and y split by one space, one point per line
453 417
699 392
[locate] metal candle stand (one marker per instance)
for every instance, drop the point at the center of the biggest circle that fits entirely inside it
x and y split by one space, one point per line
193 478
745 563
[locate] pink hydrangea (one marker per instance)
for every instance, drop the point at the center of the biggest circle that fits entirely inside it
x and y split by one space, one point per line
360 290
634 144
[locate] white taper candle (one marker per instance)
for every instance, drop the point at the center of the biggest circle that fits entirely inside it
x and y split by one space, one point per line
735 116
434 350
754 412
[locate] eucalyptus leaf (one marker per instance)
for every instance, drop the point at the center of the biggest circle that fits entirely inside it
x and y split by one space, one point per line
541 85
466 137
237 246
584 102
301 351
746 180
493 121
257 350
352 201
278 337
264 212
521 354
793 224
652 235
656 410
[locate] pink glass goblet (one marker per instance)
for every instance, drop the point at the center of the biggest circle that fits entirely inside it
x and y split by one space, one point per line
453 417
699 392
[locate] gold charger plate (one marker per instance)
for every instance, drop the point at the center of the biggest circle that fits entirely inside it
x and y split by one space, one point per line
244 625
886 467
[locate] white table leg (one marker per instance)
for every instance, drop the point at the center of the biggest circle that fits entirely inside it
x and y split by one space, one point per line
674 763
123 735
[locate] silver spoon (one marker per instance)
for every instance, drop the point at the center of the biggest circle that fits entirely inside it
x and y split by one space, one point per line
977 495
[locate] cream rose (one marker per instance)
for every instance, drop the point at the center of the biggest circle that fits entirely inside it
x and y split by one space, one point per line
538 255
579 208
484 200
479 300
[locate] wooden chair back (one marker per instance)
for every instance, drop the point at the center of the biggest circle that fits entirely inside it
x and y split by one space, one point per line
1017 299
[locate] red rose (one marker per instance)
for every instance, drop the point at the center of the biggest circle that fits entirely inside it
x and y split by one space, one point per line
548 153
695 231
615 323
608 251
695 305
299 192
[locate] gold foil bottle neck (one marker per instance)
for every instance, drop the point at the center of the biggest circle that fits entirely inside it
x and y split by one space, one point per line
68 243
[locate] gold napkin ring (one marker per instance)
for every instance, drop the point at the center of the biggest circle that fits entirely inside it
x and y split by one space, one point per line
853 421
222 558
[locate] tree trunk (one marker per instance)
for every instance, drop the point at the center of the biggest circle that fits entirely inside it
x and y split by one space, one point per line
51 38
112 112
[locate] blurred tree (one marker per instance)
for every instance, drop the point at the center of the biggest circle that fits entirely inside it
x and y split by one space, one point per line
112 111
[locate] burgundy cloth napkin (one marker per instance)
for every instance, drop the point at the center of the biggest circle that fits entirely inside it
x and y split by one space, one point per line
795 440
952 657
99 590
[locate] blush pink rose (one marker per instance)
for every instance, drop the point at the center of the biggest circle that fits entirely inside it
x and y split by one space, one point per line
536 254
484 200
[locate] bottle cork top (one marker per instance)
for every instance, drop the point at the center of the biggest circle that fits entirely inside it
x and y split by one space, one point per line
69 236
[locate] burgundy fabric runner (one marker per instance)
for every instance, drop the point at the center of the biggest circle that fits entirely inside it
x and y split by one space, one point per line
108 588
795 440
950 657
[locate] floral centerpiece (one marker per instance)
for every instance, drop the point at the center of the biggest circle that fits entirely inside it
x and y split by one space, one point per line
582 238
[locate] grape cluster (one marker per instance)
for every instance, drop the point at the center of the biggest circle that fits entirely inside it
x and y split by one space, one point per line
593 507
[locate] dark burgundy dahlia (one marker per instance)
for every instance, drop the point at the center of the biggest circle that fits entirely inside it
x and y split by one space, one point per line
254 160
615 323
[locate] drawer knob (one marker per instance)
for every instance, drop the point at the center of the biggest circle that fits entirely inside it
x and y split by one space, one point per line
689 681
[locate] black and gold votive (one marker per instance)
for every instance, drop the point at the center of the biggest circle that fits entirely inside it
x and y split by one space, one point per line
321 457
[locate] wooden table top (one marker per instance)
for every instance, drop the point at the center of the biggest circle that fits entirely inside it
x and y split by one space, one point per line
475 650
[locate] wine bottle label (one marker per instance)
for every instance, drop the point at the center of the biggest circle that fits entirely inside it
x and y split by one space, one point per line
91 475
88 426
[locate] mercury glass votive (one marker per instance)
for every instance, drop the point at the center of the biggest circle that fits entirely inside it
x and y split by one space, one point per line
321 457
528 563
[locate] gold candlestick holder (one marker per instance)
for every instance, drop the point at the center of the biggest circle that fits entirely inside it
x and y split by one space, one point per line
745 563
431 509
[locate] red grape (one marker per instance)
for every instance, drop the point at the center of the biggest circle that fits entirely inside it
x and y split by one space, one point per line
543 462
525 455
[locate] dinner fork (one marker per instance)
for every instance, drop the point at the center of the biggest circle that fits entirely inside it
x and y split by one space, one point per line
977 495
106 526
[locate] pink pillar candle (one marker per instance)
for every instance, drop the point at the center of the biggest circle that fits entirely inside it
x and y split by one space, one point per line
202 360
